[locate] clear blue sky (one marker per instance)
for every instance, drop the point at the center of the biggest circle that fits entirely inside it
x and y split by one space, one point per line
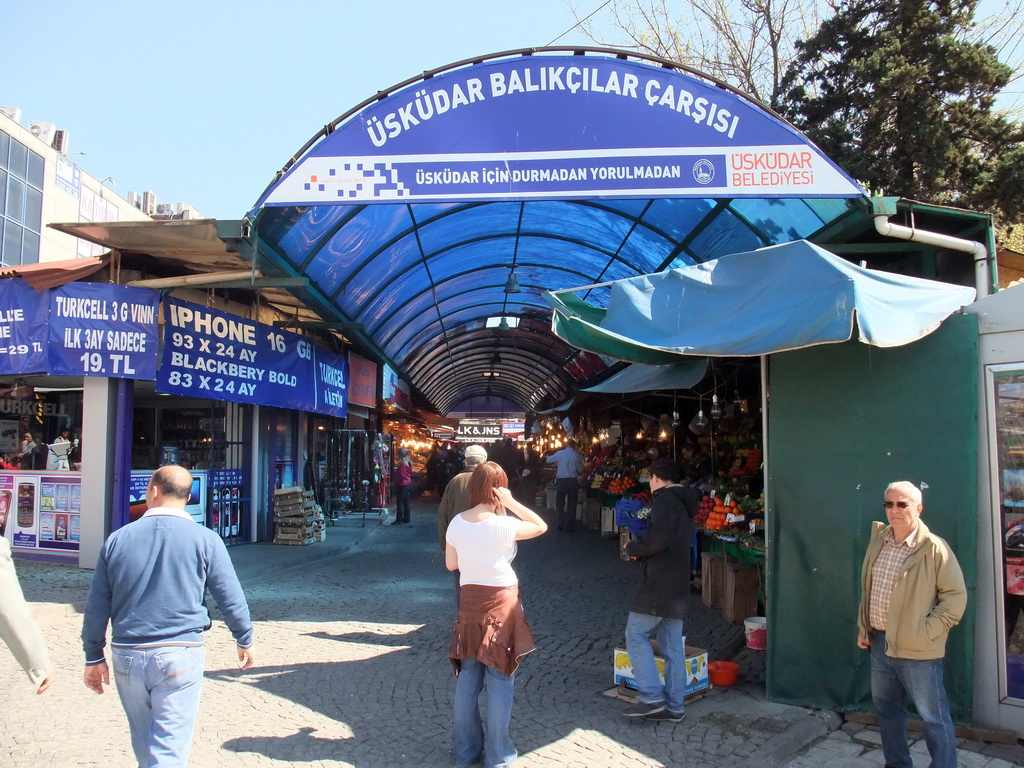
202 102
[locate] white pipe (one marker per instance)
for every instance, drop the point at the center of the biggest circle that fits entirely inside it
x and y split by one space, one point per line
978 251
208 278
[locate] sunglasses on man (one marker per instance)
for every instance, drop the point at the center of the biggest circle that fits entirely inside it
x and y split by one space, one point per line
900 504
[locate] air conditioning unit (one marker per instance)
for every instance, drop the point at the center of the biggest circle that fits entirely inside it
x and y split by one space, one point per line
148 203
135 199
12 112
42 131
165 209
60 141
187 212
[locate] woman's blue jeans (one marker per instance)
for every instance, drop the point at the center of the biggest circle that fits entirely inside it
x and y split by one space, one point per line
159 689
893 682
471 735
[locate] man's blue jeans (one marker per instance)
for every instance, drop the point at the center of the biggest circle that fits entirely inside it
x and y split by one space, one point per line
640 627
159 689
470 735
893 682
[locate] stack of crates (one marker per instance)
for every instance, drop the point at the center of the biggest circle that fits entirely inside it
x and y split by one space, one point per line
298 519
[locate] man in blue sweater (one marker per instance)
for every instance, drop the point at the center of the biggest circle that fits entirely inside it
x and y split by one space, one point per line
150 584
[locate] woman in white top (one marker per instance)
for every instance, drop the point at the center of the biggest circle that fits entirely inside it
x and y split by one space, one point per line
491 632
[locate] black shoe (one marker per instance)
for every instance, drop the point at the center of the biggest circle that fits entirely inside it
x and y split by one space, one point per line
641 709
666 716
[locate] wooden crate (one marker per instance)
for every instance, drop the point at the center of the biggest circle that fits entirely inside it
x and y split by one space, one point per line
739 593
298 519
712 578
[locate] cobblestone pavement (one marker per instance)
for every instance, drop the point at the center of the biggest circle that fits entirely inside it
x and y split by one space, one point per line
352 671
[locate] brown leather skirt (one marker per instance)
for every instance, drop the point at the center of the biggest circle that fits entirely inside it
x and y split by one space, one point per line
491 627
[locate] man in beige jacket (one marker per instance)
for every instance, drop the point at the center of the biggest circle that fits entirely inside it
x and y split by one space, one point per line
17 627
912 594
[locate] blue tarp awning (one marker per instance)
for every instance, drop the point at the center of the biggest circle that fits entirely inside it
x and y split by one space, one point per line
773 299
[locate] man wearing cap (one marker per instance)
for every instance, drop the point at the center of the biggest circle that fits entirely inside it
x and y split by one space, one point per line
455 500
150 584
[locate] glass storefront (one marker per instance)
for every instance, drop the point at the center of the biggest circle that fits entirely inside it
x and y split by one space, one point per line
1009 425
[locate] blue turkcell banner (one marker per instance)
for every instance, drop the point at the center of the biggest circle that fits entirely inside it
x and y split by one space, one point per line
331 383
97 329
560 127
23 312
216 355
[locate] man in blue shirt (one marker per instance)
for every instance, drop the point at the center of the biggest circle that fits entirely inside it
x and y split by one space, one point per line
150 584
567 484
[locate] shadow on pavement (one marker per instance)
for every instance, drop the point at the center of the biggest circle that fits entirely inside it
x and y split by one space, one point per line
393 692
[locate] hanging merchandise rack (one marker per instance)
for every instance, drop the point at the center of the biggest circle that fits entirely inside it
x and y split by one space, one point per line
355 476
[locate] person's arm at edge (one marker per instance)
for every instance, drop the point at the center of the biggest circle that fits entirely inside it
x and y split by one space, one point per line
19 629
863 630
451 557
531 525
951 597
443 518
227 591
94 627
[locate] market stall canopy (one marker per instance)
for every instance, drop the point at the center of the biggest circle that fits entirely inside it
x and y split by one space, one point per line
435 208
773 299
647 378
50 274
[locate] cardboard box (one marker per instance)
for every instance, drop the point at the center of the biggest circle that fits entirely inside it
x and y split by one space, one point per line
696 669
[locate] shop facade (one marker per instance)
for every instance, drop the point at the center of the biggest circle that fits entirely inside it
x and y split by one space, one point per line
999 653
186 390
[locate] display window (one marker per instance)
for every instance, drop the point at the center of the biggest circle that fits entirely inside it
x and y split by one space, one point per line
1008 385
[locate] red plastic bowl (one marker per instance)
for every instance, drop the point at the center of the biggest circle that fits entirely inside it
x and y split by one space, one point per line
723 673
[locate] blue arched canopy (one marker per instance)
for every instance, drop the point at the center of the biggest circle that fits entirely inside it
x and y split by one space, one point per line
416 212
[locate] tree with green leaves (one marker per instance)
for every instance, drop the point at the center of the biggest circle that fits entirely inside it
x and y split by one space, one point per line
901 95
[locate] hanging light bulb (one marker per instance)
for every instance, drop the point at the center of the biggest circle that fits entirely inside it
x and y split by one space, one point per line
700 420
639 434
663 435
503 325
495 358
675 419
716 409
512 284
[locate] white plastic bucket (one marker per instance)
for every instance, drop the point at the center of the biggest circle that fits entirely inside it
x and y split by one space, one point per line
756 629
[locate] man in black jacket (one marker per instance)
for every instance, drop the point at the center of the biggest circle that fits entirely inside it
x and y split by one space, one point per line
660 602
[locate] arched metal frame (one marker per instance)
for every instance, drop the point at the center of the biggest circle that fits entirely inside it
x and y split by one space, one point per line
423 278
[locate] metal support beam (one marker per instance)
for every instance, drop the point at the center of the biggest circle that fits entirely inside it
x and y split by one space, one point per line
330 325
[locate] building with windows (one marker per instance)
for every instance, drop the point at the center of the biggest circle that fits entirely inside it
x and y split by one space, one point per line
40 184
